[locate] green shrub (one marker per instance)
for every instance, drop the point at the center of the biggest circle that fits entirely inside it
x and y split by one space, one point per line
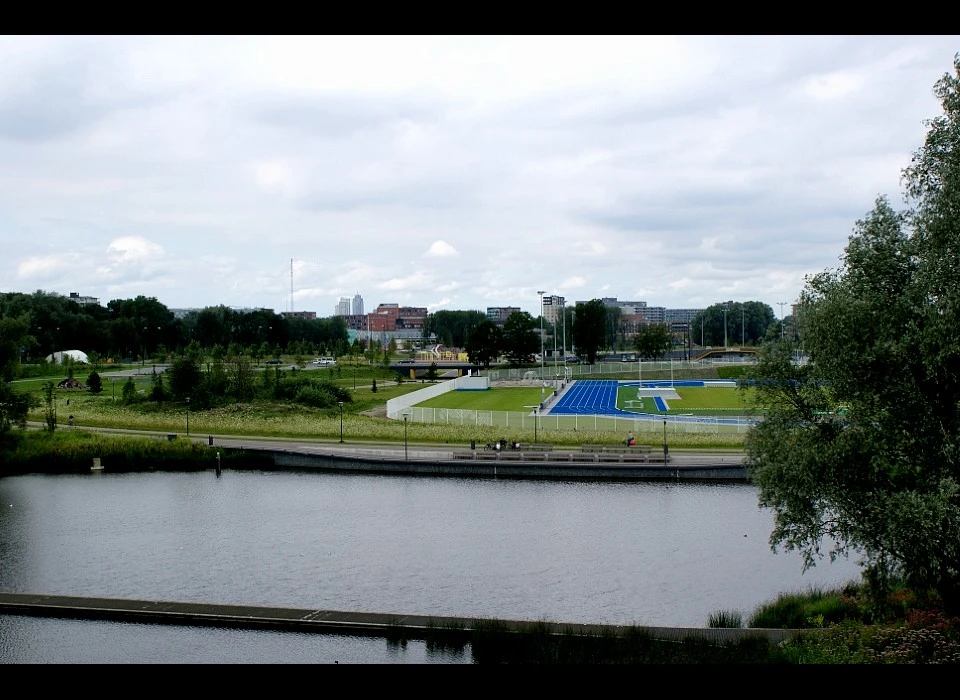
726 618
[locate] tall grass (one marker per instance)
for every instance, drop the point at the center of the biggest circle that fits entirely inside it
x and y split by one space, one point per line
67 451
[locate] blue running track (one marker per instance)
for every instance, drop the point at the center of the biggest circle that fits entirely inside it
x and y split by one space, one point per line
598 397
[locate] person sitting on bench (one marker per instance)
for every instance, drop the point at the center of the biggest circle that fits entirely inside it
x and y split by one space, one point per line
630 441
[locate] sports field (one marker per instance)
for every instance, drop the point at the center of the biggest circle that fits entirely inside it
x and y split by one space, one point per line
605 397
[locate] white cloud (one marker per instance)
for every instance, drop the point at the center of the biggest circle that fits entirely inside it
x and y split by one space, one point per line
133 249
440 249
455 172
50 266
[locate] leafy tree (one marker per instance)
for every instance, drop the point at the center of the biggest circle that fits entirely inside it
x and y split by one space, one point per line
157 392
484 343
14 407
47 390
241 378
129 393
184 377
94 383
589 328
860 447
520 341
653 341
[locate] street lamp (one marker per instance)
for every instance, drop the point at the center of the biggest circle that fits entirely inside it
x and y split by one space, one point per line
781 304
188 416
541 345
340 404
536 414
743 326
563 310
724 327
666 450
406 414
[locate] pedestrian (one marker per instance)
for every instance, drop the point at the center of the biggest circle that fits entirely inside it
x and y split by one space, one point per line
630 441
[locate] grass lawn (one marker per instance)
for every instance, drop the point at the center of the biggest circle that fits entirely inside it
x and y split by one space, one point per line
503 399
704 401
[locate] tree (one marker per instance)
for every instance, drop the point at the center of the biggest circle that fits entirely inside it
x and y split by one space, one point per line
861 445
519 339
94 383
589 328
14 407
184 377
129 393
484 343
653 341
47 390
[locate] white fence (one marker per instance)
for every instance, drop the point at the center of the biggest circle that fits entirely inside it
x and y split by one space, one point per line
396 407
515 420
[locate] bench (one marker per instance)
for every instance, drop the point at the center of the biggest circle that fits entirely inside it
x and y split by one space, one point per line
536 447
620 457
596 449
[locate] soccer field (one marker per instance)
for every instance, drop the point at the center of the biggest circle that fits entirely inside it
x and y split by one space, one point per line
694 400
699 401
499 399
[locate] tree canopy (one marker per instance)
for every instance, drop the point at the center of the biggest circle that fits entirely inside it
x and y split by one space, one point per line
589 328
859 449
520 341
653 341
484 343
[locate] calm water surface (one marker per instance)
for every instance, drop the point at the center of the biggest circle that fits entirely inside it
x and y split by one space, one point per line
646 553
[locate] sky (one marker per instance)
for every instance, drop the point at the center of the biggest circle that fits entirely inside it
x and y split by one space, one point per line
449 172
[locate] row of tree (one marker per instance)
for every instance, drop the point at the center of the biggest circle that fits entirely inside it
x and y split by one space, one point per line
143 327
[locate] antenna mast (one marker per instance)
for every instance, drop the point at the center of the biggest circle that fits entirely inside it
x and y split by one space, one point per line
291 285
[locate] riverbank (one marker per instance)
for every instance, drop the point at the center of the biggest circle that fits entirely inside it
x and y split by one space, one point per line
76 450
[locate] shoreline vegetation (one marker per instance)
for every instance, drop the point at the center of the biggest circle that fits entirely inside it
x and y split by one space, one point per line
855 624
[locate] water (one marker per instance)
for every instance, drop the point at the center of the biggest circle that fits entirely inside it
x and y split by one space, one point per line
665 554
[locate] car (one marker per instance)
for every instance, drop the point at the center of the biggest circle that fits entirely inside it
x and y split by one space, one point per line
274 361
407 362
571 359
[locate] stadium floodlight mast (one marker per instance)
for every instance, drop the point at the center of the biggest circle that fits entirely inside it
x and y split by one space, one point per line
781 304
541 293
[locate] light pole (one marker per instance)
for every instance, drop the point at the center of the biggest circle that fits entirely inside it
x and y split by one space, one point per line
666 449
724 327
563 310
406 414
554 340
535 416
188 416
541 345
781 304
340 404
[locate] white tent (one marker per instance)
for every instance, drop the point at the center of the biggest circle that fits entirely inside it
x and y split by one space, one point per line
77 355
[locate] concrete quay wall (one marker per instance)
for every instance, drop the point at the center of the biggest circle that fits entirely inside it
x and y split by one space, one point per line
544 467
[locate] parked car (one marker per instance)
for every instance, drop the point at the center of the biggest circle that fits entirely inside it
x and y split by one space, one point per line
571 359
407 361
274 361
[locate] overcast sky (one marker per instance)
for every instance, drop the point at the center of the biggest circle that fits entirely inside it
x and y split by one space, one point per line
449 172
